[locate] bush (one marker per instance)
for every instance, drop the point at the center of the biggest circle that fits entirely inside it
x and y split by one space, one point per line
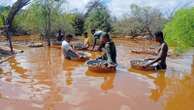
98 17
180 31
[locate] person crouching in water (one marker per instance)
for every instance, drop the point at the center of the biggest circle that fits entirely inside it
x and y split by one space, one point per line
68 51
109 49
97 35
160 60
60 36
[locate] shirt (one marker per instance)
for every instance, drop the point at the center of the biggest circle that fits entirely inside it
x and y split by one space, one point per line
110 52
98 34
66 46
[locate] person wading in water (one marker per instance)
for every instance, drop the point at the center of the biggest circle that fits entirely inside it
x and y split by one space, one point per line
160 60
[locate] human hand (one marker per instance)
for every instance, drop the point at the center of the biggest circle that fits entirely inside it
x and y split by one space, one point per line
146 65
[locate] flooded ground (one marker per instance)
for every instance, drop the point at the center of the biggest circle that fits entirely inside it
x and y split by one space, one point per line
41 79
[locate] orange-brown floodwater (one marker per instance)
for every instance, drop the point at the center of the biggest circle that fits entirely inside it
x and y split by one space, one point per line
41 79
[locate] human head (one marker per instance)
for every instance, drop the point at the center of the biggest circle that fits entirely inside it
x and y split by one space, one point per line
59 31
93 31
86 34
105 38
159 36
68 37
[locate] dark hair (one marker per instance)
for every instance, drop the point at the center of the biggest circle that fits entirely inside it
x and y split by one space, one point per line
93 30
106 35
85 33
69 36
159 35
59 31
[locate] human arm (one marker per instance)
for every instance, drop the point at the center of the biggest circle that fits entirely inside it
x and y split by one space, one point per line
160 56
95 40
108 53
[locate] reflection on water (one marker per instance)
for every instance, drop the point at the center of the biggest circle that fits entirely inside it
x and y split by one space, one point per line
160 85
159 81
43 79
68 67
182 96
108 79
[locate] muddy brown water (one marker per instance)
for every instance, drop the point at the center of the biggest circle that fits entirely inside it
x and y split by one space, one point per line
41 79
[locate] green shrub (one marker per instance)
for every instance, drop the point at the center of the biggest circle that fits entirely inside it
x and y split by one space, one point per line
180 31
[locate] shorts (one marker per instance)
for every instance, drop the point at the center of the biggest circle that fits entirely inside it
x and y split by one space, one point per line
70 55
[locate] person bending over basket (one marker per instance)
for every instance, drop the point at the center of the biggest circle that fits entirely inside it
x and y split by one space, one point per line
97 35
68 51
109 50
160 60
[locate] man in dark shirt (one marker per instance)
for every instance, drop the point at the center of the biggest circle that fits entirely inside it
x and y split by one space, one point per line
109 49
97 35
162 53
60 36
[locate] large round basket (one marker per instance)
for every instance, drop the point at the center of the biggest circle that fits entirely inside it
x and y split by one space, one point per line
139 64
81 59
98 66
85 56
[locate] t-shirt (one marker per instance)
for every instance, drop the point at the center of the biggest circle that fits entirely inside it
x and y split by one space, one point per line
86 41
66 46
98 34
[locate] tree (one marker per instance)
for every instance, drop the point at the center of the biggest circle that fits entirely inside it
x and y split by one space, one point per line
98 17
171 11
127 26
180 31
3 13
17 6
151 19
78 23
140 21
92 5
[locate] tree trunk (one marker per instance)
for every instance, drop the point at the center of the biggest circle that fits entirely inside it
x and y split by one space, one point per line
19 4
150 33
47 15
49 26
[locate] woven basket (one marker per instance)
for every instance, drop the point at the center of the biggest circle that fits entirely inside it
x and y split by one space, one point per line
138 64
100 67
36 45
85 56
81 59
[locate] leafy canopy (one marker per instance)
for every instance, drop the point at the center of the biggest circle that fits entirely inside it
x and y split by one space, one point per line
180 31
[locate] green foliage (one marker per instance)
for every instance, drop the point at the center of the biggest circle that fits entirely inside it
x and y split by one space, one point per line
3 13
180 31
141 20
98 18
78 24
34 18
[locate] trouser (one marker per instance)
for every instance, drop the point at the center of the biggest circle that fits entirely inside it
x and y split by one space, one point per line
70 55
